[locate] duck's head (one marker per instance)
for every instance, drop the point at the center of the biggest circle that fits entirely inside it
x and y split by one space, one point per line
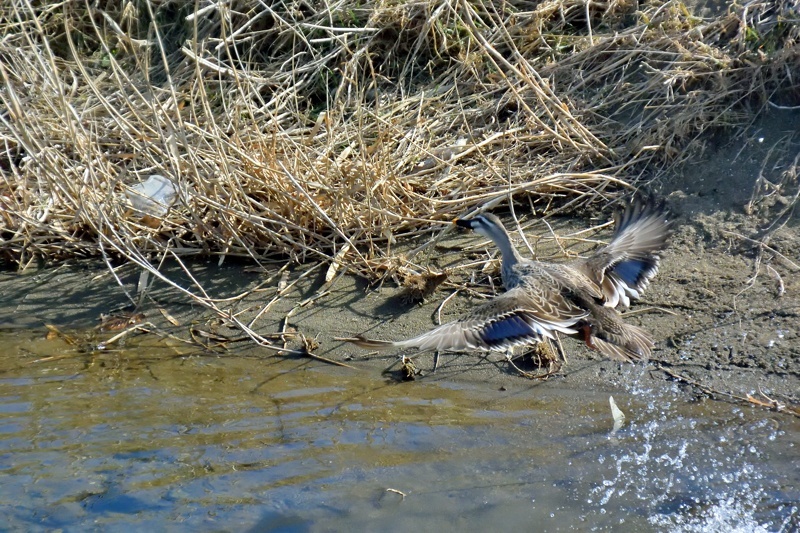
485 224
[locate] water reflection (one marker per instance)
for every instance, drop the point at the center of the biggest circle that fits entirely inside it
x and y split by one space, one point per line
151 438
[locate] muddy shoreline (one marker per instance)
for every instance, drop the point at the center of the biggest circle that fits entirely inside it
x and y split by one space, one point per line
723 309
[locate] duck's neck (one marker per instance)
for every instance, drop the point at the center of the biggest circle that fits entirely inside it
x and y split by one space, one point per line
510 255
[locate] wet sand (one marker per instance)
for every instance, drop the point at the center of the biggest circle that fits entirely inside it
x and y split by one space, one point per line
724 312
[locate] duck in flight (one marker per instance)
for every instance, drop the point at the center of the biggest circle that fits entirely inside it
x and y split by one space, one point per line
577 298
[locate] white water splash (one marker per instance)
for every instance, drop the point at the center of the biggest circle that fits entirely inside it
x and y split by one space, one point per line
694 474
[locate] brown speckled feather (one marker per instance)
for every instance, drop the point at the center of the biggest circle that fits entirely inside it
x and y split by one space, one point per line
513 318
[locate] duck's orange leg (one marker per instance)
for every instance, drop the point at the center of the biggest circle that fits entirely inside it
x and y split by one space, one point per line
586 329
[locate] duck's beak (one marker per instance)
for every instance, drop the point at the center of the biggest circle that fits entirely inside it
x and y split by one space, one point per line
463 223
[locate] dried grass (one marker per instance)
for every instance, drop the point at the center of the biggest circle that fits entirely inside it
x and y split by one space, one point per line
303 127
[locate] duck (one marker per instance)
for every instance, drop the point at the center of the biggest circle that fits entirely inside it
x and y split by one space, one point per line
580 298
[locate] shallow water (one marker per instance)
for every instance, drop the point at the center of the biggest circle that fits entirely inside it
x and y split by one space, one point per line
153 438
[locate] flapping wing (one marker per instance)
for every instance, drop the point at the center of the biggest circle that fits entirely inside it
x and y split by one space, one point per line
623 269
514 318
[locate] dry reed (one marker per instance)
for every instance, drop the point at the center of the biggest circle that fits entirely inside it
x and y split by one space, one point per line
324 131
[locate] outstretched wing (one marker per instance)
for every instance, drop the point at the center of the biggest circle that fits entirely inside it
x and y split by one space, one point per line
623 269
514 318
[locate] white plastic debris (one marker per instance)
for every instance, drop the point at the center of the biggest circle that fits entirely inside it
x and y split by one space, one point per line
154 196
616 414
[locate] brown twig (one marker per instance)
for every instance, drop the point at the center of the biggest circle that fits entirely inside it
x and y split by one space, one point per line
711 392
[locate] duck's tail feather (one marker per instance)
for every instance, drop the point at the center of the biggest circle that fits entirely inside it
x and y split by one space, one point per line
630 345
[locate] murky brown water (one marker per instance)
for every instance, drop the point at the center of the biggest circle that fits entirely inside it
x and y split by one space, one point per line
153 439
